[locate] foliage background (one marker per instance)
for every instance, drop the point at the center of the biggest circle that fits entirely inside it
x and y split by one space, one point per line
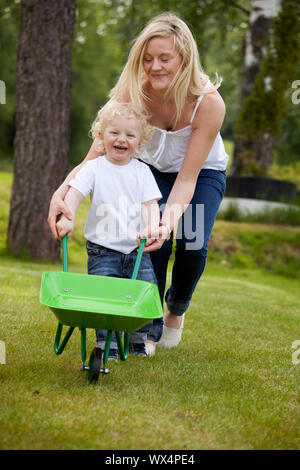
234 363
103 34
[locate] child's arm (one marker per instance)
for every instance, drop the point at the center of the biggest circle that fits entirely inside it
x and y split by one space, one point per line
150 222
73 199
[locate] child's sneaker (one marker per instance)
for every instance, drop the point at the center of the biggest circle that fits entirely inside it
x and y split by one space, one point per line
138 349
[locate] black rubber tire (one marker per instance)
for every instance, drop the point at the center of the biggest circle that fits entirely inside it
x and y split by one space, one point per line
94 365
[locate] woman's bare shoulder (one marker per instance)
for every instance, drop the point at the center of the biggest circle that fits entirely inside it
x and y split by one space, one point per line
211 111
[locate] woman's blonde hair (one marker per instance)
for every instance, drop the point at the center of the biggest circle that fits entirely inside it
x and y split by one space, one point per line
190 79
114 109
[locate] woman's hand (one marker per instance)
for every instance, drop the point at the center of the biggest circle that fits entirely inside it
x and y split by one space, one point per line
155 238
56 208
64 226
154 245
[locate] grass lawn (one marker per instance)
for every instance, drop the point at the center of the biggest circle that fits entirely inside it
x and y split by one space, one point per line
230 384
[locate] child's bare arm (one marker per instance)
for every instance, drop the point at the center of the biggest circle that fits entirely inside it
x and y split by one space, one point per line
66 226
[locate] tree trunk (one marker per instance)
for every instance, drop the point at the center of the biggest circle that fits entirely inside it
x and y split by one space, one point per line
253 156
42 122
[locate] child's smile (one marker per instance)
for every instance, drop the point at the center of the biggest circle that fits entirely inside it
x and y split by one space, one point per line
121 139
120 148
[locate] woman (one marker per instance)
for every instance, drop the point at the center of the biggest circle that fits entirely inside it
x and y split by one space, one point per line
164 79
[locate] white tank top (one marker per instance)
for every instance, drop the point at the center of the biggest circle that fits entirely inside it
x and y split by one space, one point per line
166 149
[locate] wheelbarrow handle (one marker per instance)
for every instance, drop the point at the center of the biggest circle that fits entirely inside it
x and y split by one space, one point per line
65 253
136 266
138 259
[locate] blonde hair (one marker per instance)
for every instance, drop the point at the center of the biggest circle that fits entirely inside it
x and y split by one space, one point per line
113 109
190 79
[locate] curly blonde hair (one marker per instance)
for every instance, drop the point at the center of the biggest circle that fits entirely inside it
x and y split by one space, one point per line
113 109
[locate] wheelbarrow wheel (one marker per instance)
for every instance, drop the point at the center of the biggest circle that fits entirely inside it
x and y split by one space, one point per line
94 365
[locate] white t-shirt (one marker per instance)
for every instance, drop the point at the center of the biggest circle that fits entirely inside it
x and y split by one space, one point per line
117 192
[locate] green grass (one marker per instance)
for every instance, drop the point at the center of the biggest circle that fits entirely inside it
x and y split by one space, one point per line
276 249
230 384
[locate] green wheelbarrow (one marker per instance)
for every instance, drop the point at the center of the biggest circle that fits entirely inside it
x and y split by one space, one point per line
99 302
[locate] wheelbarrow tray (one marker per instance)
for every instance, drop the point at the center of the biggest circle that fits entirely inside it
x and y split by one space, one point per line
101 302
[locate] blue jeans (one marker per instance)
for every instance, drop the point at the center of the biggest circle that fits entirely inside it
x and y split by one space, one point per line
105 262
191 251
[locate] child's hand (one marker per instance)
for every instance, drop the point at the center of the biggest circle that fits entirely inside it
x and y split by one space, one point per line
155 237
64 226
145 233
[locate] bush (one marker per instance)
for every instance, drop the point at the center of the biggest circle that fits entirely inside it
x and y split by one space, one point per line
243 245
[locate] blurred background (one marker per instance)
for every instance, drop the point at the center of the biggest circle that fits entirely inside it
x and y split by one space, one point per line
253 45
103 33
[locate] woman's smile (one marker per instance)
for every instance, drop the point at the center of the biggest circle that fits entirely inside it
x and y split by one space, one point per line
159 75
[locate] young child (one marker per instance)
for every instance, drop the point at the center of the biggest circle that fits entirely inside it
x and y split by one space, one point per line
124 198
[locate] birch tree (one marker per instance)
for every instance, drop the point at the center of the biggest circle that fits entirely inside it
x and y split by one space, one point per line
270 64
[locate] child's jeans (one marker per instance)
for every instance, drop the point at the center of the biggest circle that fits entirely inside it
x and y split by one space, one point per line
106 262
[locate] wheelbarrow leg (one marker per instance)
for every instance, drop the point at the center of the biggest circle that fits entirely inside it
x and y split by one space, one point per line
106 350
83 346
58 348
123 349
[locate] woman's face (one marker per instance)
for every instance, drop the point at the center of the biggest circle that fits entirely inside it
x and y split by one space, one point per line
161 61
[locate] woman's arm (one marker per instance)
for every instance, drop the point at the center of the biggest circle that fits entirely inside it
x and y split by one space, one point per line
150 221
206 125
64 225
58 204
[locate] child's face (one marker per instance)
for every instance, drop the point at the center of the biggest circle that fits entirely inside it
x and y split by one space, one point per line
121 139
